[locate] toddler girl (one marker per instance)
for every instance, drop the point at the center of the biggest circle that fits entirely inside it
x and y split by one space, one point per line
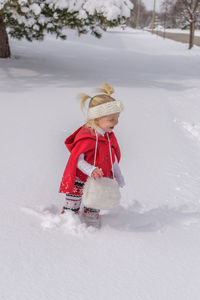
102 116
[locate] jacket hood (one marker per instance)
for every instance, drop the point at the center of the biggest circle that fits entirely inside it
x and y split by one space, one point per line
82 133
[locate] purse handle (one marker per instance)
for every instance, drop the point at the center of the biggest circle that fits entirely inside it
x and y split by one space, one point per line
95 154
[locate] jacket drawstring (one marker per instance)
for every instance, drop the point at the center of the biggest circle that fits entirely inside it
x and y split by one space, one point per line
110 155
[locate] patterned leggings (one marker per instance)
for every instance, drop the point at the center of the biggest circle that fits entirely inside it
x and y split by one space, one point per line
73 200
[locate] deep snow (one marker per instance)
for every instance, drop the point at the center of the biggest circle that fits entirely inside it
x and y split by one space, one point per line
148 248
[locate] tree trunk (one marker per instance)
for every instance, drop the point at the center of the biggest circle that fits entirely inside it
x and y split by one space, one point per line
4 42
191 38
153 16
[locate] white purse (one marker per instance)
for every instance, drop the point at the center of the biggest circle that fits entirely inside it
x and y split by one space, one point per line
102 193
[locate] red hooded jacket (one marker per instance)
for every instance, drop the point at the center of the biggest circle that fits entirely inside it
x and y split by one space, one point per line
83 140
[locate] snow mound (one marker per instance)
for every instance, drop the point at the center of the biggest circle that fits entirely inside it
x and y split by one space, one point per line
50 218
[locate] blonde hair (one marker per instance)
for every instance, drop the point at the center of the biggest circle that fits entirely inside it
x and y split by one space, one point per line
97 100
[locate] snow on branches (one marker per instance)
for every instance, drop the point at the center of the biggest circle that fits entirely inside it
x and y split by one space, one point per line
32 18
111 9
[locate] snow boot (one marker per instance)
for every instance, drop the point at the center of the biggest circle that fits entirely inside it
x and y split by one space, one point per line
91 217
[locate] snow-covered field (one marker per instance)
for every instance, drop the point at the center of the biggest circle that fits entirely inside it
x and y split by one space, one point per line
148 248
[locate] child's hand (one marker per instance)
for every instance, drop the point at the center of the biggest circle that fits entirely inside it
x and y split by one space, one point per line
97 173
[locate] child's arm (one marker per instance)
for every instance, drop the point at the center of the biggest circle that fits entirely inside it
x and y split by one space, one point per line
88 169
84 166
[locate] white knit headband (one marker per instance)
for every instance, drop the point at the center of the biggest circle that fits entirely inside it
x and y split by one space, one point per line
104 109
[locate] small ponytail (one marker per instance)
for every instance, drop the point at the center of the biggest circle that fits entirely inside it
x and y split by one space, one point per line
83 98
105 97
107 89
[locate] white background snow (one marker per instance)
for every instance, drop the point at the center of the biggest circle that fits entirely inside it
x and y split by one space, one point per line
148 248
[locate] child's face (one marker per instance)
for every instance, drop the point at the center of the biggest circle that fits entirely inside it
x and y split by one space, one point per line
108 123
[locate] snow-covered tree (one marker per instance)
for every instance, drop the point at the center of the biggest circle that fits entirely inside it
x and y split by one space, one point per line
32 19
165 16
183 14
190 13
